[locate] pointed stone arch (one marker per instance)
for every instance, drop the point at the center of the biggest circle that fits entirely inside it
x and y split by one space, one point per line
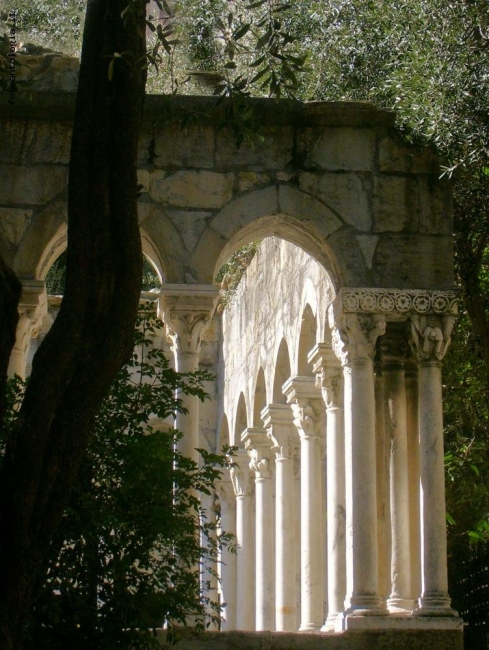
260 398
241 419
307 340
282 372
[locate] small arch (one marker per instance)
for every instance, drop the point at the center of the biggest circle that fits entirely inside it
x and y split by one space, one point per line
260 399
307 340
241 421
223 436
282 372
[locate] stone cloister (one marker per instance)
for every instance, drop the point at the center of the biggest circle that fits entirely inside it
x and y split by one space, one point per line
327 359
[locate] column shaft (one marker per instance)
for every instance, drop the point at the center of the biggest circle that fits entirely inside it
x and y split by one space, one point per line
245 619
227 565
265 609
285 570
361 497
434 598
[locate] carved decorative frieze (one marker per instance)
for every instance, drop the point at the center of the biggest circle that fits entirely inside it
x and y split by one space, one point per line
403 301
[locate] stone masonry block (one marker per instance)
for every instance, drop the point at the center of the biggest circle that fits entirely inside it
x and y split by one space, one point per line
396 156
344 193
13 222
47 142
340 148
407 261
395 204
274 152
191 146
192 189
37 185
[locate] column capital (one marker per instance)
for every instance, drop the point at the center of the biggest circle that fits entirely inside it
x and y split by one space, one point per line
329 376
354 335
307 406
431 336
241 475
187 310
279 424
225 491
257 445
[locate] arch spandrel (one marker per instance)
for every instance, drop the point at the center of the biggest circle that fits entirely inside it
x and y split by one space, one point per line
285 212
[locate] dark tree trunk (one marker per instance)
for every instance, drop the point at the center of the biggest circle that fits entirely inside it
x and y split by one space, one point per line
10 290
92 336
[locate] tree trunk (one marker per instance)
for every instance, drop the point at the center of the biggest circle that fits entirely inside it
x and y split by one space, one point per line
93 333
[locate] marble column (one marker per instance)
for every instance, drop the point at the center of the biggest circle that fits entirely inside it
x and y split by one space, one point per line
430 338
227 560
394 347
308 410
33 318
354 337
187 310
257 445
279 424
242 478
414 483
329 378
208 574
382 462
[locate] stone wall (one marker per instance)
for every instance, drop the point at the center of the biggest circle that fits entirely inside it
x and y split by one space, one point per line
334 178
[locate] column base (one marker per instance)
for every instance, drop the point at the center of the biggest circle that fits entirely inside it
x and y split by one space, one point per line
329 626
346 622
434 606
400 605
366 606
310 629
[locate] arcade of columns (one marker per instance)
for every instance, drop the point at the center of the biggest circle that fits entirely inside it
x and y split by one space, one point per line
337 500
360 436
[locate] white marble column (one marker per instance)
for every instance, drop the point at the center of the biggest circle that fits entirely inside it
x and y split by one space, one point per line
394 346
258 447
354 337
33 318
382 462
227 560
430 340
414 483
242 478
308 410
187 310
279 424
329 378
208 573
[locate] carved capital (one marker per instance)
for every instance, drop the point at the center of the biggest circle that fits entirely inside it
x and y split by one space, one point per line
307 406
430 336
33 314
257 445
354 335
241 475
279 425
329 376
187 310
225 492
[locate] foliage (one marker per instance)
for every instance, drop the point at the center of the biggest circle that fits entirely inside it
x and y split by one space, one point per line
123 559
56 25
231 272
55 278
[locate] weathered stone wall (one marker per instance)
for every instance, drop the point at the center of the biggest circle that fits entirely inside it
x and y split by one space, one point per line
333 178
267 309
